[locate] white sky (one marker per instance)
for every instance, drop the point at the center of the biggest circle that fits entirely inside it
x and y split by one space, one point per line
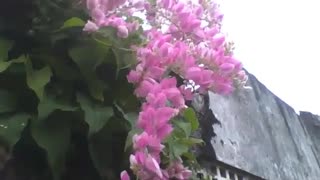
278 42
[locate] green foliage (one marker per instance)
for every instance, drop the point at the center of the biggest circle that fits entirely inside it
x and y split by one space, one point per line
50 103
88 55
8 101
5 46
53 135
37 79
5 64
11 126
73 22
96 115
191 117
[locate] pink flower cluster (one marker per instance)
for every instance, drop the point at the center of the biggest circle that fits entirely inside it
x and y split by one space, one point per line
184 39
163 102
110 13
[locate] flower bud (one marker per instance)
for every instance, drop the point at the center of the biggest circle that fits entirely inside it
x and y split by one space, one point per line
90 27
123 31
227 67
124 175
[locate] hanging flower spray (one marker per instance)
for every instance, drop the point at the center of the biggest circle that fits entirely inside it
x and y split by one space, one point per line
183 38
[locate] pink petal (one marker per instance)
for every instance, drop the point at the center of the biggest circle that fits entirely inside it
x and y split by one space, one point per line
92 4
134 76
153 166
168 83
144 88
123 31
164 131
227 67
124 175
90 27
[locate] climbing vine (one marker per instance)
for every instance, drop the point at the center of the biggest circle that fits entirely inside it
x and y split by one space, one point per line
116 75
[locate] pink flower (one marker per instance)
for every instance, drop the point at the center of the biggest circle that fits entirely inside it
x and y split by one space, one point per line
109 5
144 88
237 64
98 16
92 4
122 31
176 170
179 7
222 85
167 3
146 166
200 76
217 40
139 4
153 166
90 27
227 67
199 11
175 97
242 76
144 140
168 83
134 76
157 100
164 50
124 175
187 92
155 121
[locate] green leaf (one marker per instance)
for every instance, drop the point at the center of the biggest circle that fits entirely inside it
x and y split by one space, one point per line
176 149
8 101
53 134
185 126
129 138
5 64
73 22
123 93
50 103
106 149
37 79
190 141
131 117
60 66
179 149
124 58
5 46
190 115
12 126
88 56
96 115
190 156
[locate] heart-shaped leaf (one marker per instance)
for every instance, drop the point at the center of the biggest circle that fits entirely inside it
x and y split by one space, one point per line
53 134
37 79
96 115
11 126
88 55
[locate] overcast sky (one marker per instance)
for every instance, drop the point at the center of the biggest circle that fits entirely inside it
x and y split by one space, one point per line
278 42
